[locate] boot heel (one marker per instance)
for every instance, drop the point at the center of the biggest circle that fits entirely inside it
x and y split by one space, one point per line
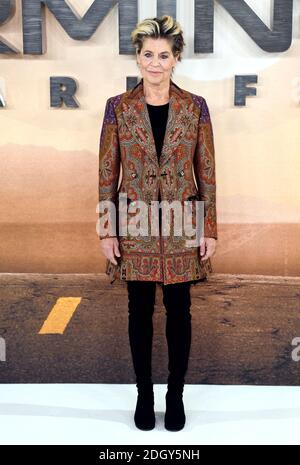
144 416
174 415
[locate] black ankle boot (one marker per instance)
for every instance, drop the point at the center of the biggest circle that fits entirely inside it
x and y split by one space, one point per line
144 416
175 415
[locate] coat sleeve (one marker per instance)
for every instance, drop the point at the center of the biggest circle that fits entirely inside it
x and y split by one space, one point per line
204 169
109 161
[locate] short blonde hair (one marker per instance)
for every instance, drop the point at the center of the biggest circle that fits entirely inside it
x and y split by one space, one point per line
164 27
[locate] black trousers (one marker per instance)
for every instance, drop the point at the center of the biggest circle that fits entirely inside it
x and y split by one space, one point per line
178 330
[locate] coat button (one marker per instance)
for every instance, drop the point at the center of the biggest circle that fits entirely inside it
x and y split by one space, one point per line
181 173
133 175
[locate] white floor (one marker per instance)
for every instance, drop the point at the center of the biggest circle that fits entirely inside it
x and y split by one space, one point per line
103 414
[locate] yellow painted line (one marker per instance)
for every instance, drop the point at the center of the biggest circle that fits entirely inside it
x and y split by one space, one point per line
60 315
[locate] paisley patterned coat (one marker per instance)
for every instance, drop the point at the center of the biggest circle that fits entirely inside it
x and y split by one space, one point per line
127 145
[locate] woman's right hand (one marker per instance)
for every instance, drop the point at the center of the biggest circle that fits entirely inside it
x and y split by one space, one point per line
110 248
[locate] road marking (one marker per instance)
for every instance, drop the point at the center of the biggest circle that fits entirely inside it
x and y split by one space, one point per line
60 315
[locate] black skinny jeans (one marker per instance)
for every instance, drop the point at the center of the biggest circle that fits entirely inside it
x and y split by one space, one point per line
177 302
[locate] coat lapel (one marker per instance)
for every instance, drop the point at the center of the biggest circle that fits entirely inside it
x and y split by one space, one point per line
181 114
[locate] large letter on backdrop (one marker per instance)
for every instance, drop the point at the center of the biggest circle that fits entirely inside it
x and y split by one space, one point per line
278 39
7 10
76 27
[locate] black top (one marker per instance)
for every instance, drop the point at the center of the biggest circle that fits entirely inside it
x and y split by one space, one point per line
158 117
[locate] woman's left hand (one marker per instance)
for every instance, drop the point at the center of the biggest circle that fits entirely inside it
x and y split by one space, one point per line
207 247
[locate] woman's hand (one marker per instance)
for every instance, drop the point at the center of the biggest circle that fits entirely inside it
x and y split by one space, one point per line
110 248
208 245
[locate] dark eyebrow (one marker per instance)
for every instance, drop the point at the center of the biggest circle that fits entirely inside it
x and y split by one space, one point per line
160 52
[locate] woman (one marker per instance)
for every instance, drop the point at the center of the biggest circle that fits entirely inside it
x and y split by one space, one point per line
160 134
